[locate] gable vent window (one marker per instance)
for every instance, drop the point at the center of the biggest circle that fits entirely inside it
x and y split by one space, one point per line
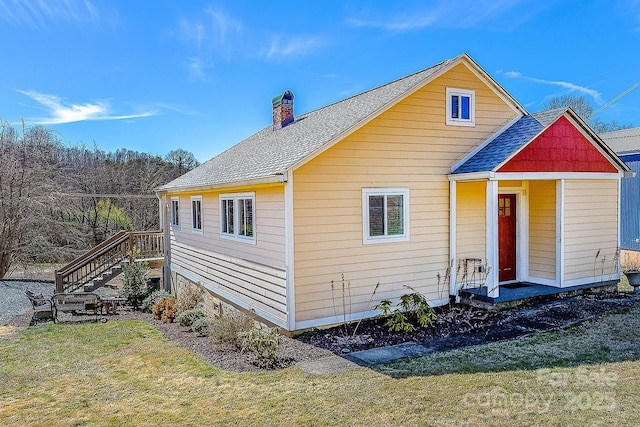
237 217
461 107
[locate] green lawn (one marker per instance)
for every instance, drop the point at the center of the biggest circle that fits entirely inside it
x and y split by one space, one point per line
126 373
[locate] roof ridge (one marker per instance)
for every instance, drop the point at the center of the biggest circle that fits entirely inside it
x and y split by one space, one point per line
380 86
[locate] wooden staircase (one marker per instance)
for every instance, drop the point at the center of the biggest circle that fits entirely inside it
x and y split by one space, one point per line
104 262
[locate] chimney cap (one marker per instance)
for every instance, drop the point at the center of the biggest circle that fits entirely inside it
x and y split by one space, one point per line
285 98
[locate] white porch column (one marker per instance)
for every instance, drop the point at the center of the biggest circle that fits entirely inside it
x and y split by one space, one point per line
453 219
493 290
560 232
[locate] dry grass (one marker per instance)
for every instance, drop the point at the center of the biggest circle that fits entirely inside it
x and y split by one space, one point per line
126 373
611 338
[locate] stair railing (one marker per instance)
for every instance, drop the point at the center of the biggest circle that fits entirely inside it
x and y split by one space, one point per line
106 256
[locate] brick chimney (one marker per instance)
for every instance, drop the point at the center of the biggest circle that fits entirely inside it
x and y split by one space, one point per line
282 109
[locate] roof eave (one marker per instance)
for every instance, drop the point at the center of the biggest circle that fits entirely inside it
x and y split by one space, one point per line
471 176
272 179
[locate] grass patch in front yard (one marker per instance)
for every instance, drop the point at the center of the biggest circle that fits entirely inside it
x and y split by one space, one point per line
610 338
126 373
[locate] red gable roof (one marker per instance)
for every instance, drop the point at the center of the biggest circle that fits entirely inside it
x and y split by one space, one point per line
560 148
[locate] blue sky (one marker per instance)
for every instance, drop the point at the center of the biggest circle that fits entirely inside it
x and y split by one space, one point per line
158 75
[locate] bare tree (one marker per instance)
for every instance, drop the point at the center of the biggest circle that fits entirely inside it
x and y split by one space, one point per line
584 109
183 160
27 162
57 201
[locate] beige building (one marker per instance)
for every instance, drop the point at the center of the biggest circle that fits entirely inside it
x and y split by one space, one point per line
435 182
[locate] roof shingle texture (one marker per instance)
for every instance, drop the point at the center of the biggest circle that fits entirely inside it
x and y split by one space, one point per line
509 142
270 153
626 141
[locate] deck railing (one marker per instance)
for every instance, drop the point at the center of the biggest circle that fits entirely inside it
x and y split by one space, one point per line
100 260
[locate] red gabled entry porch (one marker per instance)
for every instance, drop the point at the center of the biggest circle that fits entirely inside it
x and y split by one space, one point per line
559 233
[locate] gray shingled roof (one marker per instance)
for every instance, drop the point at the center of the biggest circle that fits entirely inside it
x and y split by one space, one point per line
509 142
626 141
270 153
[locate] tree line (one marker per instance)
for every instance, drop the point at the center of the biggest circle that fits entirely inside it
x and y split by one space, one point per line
58 201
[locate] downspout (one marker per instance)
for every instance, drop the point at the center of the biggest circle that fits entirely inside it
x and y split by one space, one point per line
289 251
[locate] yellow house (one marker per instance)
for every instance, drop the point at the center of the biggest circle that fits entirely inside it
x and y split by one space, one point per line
439 182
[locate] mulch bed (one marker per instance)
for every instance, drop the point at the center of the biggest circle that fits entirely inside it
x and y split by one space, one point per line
461 326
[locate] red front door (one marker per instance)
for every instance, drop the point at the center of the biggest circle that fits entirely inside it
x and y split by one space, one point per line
507 237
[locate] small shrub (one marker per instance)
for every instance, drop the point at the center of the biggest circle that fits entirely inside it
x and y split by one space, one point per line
165 309
226 328
135 279
263 342
186 318
202 326
417 306
151 300
412 307
190 298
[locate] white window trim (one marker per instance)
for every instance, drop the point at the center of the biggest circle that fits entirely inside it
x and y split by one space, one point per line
236 217
173 219
366 192
472 107
201 229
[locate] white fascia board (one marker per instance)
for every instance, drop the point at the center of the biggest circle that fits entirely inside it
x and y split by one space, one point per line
273 179
472 176
502 176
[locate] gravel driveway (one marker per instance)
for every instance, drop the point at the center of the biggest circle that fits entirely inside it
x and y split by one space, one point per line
14 302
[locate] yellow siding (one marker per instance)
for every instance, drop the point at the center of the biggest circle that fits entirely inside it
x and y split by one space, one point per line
406 146
269 207
250 275
471 223
591 228
542 229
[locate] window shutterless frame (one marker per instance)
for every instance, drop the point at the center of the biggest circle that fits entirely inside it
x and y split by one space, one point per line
174 212
237 217
461 108
196 214
385 215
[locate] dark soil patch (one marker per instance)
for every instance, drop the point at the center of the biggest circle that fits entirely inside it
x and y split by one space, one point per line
460 326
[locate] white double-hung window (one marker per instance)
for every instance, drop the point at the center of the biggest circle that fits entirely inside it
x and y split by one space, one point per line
175 212
237 217
196 214
461 109
385 213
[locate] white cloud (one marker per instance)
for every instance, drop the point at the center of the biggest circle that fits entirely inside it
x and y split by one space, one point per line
209 37
40 13
572 87
448 14
397 23
59 112
286 46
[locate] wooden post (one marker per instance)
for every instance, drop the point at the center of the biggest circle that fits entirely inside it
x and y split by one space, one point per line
131 247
